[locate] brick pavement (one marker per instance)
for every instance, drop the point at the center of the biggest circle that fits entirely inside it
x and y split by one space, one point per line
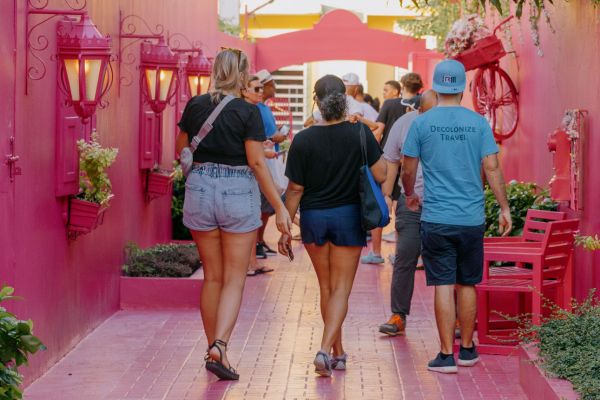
159 354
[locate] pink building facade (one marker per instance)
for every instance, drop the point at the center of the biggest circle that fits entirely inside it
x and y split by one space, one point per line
563 78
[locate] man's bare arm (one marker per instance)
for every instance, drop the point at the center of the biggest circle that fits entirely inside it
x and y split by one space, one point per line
493 174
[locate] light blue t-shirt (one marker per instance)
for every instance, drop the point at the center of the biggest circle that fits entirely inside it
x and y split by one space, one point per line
451 143
268 121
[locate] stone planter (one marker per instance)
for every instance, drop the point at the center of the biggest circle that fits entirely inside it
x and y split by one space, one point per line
161 293
534 381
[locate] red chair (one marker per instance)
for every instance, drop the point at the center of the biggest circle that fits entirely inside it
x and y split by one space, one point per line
551 263
533 230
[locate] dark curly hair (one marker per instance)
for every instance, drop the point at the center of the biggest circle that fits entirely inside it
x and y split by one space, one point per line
330 93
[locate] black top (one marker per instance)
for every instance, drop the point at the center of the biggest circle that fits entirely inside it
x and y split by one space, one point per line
239 121
391 110
326 159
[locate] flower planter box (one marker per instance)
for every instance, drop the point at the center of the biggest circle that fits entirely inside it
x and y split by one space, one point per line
534 381
160 293
159 184
84 216
485 51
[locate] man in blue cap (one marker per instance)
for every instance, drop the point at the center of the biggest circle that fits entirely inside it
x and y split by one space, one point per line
453 143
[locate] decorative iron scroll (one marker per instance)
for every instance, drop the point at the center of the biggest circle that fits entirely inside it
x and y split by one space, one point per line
37 43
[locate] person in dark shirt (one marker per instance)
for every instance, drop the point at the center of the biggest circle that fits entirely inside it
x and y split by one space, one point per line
391 110
222 199
323 170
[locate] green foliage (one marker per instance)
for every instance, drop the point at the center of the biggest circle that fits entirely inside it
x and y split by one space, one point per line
17 342
231 29
180 232
589 243
569 344
499 5
93 162
436 18
163 260
521 197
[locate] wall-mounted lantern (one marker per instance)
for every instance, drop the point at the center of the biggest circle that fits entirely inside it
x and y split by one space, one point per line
84 62
159 66
197 71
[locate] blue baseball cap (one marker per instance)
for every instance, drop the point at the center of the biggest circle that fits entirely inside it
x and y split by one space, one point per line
449 77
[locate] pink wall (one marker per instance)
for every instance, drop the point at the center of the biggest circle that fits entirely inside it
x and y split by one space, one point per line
72 286
564 77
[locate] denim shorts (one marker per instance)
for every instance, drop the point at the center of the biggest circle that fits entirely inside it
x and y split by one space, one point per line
222 197
452 253
340 226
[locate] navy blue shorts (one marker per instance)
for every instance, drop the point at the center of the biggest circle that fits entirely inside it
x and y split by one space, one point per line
452 253
339 225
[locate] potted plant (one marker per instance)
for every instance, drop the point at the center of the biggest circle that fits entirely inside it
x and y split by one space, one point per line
87 208
16 344
159 182
180 232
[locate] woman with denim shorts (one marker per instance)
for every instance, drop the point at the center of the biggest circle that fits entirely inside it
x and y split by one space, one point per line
323 168
222 199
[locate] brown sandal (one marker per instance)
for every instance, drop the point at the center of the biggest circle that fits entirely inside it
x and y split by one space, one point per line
217 367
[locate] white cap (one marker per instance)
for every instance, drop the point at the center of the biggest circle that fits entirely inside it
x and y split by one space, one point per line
264 76
351 79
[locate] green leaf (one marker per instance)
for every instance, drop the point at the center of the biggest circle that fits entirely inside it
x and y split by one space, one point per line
31 343
497 5
6 291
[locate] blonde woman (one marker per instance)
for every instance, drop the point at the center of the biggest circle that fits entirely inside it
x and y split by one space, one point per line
222 199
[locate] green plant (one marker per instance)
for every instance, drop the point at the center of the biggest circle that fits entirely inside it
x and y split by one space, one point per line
163 260
179 231
569 344
93 162
17 342
521 197
229 28
589 243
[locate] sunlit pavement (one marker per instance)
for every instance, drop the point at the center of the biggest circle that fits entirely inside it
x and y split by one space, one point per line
159 354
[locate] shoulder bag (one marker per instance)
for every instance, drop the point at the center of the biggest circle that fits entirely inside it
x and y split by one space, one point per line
373 209
186 157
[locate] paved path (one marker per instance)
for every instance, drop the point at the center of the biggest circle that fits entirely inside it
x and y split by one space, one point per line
159 355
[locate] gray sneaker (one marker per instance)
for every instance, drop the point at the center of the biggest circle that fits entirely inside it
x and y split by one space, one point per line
467 357
372 258
339 363
444 364
322 364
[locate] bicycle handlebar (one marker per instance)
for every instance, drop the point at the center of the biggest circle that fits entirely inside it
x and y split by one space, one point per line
502 23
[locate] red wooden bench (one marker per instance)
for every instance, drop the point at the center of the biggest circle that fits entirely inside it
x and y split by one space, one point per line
533 230
551 261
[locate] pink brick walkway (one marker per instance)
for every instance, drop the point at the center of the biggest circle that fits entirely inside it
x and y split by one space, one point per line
159 355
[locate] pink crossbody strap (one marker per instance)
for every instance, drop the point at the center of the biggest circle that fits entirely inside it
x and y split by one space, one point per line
208 124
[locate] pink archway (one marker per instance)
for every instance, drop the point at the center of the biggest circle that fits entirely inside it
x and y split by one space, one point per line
340 35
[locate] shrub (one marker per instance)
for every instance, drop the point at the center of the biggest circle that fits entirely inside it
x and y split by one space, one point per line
16 344
93 162
521 197
569 344
180 232
163 260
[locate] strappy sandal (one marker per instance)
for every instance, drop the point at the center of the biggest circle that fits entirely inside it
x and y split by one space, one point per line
339 363
322 364
217 367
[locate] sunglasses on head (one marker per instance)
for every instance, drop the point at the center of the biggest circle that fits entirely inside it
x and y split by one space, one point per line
237 52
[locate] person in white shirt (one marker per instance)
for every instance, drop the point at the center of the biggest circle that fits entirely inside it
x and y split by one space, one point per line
368 111
355 108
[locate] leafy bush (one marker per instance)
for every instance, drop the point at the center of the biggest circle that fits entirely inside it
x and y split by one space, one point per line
521 197
16 344
589 243
93 162
569 343
180 232
163 260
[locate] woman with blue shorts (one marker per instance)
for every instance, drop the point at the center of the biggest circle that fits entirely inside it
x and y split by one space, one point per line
323 168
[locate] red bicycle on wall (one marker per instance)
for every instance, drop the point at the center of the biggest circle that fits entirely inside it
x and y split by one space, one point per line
494 93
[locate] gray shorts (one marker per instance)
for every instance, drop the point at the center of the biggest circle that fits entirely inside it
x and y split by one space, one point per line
221 196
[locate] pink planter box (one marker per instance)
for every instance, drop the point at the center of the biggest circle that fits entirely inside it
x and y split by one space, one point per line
160 293
536 384
84 216
159 184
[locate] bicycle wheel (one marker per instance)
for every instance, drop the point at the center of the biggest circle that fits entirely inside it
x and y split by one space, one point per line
495 97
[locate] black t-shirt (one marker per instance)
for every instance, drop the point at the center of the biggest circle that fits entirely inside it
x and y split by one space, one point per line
391 110
326 159
238 121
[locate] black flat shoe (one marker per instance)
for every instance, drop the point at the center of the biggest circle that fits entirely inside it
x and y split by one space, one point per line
217 367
